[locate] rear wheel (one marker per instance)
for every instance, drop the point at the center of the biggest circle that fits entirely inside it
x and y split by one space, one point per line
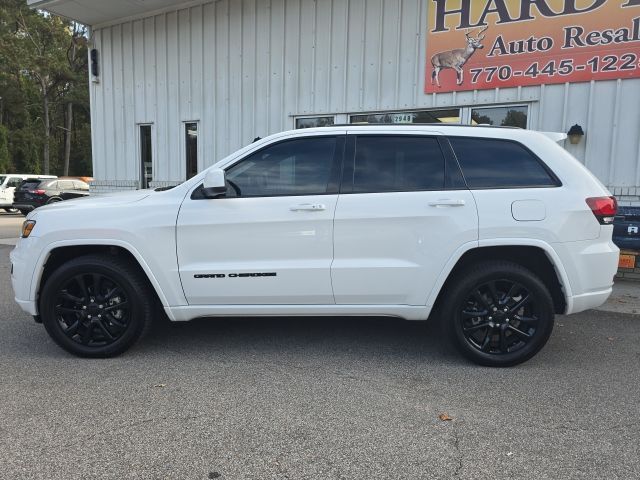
96 306
498 314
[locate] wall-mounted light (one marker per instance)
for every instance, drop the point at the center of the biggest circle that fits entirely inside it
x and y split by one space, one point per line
575 134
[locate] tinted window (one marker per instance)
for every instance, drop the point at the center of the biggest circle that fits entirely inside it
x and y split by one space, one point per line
14 182
490 163
397 163
294 167
30 184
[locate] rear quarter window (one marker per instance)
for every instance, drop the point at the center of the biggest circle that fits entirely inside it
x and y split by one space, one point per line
496 163
30 184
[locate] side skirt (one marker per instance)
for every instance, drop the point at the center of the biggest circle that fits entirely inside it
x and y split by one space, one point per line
406 312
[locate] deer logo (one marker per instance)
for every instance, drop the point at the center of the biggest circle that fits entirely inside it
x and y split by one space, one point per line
456 58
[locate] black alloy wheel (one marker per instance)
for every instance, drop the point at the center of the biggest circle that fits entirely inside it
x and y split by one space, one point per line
498 314
499 317
96 305
92 309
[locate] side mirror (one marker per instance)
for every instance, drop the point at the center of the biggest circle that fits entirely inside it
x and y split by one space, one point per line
214 184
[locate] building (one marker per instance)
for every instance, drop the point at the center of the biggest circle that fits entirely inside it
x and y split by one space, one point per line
177 85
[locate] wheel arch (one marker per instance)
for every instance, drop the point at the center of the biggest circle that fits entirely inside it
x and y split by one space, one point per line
59 252
537 256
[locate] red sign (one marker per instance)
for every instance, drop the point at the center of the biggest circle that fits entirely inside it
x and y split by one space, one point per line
480 44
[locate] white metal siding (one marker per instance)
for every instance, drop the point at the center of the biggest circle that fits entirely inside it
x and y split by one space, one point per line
244 68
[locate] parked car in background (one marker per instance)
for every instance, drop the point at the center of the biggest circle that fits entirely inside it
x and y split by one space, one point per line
35 192
8 183
626 228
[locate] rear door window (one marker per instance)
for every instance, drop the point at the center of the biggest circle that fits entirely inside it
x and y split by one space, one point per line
397 163
495 163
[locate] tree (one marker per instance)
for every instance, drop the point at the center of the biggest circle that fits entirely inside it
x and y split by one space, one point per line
515 118
44 90
5 161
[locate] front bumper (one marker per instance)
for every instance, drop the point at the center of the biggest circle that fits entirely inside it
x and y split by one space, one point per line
24 258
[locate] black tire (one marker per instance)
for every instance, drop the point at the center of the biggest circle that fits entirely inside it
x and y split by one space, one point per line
477 324
24 212
93 286
11 210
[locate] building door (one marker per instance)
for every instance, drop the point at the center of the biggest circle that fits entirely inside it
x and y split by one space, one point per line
403 216
269 240
146 156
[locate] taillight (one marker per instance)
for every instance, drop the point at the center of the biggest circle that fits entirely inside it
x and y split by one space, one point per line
604 208
37 192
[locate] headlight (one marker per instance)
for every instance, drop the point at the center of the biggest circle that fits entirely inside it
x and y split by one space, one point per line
27 228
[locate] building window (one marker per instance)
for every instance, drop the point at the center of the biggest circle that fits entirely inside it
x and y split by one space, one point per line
191 148
146 156
312 122
450 115
507 116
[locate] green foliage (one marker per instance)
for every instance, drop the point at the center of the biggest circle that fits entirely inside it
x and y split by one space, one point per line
43 68
5 163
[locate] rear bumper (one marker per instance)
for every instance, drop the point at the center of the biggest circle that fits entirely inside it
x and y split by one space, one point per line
24 206
590 266
580 303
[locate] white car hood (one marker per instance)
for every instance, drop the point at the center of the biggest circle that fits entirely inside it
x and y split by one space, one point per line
99 200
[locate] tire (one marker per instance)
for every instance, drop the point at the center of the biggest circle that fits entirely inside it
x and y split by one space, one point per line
54 200
11 210
96 306
24 212
477 324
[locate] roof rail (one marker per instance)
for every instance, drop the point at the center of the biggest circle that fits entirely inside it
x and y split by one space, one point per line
438 124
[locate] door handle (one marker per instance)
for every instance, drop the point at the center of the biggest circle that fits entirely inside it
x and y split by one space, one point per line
447 202
310 207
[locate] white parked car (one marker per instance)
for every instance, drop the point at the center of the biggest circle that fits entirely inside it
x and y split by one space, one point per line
490 230
8 184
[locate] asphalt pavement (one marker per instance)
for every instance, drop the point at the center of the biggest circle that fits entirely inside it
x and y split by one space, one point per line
10 224
313 398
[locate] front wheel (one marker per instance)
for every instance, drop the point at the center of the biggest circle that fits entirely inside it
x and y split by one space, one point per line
96 306
498 314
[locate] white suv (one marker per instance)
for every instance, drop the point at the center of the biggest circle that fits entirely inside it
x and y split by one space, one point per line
491 230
